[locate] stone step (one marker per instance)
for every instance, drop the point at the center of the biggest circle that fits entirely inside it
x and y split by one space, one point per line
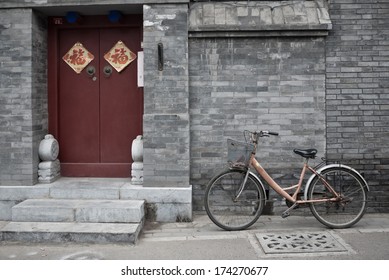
80 211
86 188
71 232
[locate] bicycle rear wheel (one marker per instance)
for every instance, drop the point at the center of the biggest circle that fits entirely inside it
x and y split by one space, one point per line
227 212
351 205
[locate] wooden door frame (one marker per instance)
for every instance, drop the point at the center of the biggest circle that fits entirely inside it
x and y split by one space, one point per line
55 24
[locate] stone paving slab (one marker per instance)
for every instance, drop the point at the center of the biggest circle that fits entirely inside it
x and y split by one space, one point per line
3 224
57 210
156 195
201 239
70 232
202 226
164 204
19 193
87 188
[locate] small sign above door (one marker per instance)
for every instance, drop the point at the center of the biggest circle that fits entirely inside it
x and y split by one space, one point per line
78 57
119 56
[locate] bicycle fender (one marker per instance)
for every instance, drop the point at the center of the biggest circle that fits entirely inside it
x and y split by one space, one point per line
320 170
260 183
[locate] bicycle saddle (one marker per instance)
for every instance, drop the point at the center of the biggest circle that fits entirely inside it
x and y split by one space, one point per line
307 153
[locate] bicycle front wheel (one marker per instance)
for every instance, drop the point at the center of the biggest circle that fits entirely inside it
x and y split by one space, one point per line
228 211
349 208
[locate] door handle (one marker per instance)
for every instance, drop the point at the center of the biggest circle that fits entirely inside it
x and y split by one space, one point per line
107 70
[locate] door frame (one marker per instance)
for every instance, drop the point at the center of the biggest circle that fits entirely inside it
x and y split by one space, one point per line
55 25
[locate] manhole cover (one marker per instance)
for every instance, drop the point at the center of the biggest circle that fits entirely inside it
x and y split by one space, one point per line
299 242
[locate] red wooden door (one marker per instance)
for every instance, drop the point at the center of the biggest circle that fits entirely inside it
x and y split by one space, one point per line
99 109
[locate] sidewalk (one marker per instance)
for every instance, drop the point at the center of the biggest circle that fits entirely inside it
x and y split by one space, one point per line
296 237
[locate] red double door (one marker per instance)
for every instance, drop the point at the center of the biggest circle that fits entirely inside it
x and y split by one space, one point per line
98 112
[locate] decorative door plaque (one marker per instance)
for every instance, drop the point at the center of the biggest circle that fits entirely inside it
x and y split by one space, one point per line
119 56
78 57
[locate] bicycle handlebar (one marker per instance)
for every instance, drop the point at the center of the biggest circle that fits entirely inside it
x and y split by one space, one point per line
263 133
267 133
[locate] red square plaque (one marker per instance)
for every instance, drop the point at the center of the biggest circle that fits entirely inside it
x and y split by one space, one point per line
119 56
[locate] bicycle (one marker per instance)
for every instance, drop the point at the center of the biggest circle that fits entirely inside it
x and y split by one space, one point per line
235 198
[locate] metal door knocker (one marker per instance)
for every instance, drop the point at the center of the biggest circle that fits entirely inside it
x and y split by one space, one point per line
107 71
91 70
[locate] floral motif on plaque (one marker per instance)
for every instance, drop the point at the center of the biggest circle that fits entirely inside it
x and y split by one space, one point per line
78 57
120 56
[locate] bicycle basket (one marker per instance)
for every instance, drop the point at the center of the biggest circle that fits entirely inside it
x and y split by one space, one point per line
239 153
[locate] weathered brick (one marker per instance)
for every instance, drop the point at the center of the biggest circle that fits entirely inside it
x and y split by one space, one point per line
293 105
22 94
166 103
358 90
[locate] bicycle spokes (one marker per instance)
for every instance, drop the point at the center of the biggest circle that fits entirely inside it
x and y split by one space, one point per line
232 205
344 203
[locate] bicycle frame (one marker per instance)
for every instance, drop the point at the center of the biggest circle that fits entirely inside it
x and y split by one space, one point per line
235 198
282 191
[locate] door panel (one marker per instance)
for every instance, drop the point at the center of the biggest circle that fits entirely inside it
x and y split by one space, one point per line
98 115
78 102
121 100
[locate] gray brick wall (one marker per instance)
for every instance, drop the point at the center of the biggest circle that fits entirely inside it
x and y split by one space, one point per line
257 84
39 109
357 83
166 101
22 95
256 66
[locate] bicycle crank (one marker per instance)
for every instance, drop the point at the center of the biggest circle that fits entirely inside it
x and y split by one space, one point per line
286 213
299 197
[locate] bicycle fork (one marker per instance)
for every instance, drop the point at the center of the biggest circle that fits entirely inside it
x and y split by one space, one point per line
240 190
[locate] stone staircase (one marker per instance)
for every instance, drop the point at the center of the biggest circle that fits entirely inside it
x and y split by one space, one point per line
79 210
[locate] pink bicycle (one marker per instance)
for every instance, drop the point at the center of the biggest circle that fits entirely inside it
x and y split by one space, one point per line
235 198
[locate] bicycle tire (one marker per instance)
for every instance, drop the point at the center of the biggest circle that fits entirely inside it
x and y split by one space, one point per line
347 211
234 215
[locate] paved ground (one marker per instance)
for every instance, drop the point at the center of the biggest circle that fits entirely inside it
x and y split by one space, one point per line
201 240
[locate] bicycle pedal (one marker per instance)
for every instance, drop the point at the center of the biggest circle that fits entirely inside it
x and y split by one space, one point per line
285 214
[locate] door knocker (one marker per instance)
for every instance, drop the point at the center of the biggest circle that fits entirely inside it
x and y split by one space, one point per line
107 71
91 71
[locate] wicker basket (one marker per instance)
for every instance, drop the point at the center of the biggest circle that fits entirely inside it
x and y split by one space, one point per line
239 153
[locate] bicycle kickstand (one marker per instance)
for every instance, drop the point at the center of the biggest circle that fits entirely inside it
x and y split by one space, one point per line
286 213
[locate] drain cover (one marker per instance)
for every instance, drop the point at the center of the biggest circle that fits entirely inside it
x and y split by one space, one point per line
299 242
